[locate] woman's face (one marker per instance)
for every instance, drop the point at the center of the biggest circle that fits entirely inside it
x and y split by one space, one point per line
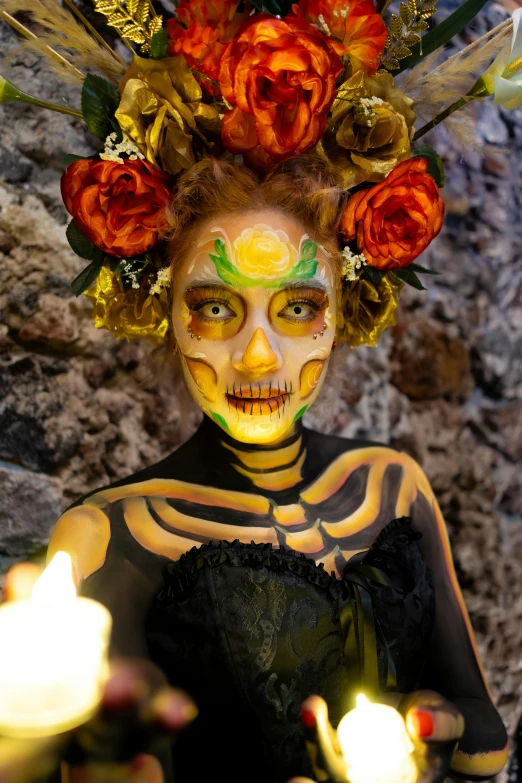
254 317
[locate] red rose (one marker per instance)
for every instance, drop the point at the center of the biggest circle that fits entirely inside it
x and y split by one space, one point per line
280 75
395 220
356 29
200 31
116 205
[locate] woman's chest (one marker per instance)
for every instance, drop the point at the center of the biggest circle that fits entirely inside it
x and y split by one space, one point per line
334 517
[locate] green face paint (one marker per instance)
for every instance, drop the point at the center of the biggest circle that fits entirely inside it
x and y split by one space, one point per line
299 413
221 421
303 270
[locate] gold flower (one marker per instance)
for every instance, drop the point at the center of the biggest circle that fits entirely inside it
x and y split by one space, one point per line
262 253
128 313
368 309
369 130
161 111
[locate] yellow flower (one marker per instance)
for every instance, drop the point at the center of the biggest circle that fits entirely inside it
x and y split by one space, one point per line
369 130
368 309
262 253
128 313
161 111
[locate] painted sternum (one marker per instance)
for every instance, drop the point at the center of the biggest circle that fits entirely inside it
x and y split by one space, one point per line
271 267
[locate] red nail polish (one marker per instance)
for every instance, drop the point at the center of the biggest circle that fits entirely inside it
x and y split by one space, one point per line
139 762
308 719
424 723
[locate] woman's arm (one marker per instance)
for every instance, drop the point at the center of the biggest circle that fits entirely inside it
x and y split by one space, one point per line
453 667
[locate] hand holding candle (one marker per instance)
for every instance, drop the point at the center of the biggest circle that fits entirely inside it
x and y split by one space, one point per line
375 744
134 710
53 656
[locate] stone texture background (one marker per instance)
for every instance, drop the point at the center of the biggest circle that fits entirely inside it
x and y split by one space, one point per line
79 409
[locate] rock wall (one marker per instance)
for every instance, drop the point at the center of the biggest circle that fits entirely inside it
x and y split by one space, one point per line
79 409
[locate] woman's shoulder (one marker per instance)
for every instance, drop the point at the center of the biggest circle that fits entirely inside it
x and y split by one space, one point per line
328 448
181 465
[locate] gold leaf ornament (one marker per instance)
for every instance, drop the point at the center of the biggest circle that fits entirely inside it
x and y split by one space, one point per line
161 111
369 130
405 13
131 18
403 31
396 27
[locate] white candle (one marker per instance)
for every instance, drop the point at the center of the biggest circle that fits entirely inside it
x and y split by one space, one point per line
53 656
376 745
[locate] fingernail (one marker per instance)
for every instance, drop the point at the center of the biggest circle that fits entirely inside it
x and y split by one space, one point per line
122 690
139 762
423 723
175 712
308 718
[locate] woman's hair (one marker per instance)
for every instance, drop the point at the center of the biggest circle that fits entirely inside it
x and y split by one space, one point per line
303 188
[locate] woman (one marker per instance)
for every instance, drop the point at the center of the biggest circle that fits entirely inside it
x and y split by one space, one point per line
262 562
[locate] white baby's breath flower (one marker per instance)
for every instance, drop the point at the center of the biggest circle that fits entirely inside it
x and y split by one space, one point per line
125 147
353 263
162 281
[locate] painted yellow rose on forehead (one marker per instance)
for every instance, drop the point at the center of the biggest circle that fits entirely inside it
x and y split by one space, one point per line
260 252
261 255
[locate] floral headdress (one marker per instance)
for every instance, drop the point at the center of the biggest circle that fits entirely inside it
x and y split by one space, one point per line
266 80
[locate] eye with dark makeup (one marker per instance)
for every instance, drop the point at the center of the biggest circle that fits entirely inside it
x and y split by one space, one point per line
303 304
211 304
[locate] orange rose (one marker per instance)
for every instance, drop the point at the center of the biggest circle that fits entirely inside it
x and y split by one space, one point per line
395 220
356 28
279 74
116 205
200 32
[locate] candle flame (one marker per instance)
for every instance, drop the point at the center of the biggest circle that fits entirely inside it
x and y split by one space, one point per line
56 583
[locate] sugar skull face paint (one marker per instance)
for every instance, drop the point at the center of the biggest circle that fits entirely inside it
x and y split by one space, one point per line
253 314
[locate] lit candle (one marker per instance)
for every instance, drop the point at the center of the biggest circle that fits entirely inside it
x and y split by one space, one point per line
53 656
376 745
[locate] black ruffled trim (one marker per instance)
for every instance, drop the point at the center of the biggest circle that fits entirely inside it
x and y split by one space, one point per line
181 575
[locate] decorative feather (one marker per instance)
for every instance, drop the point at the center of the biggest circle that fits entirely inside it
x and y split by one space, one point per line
434 87
61 31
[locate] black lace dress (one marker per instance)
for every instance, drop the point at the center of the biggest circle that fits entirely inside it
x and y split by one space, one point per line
251 631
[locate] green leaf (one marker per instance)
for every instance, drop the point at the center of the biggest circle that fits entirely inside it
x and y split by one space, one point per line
443 32
158 44
408 276
308 250
421 270
225 269
435 164
86 278
68 159
375 275
305 269
81 245
100 100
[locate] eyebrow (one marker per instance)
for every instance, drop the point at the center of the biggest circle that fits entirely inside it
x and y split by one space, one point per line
306 284
202 282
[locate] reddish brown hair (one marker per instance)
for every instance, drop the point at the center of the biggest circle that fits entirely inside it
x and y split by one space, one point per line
303 188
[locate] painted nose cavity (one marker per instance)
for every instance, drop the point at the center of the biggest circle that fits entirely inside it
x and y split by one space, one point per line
259 356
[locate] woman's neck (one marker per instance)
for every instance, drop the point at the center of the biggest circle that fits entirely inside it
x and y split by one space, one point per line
270 467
